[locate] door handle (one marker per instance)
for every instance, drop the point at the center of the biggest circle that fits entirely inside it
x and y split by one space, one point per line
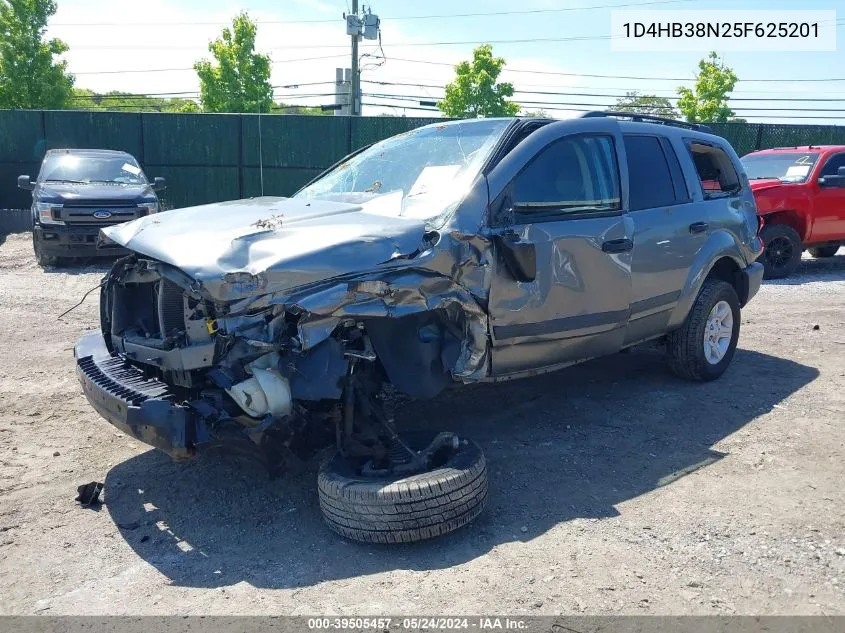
698 227
617 246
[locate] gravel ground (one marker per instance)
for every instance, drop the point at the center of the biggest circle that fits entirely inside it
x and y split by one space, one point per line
615 487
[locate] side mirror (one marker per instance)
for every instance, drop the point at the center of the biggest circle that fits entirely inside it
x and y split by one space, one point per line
159 184
837 181
24 182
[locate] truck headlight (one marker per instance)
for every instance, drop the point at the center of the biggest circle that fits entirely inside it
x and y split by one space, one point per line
149 207
46 214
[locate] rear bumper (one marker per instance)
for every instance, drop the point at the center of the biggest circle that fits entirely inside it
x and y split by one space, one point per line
73 241
137 405
750 278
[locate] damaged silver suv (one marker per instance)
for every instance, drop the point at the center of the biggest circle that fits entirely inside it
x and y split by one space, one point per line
479 250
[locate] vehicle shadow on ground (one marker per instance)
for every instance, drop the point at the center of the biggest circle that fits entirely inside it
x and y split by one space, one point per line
563 446
823 269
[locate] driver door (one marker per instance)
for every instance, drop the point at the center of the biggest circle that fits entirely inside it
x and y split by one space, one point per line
561 286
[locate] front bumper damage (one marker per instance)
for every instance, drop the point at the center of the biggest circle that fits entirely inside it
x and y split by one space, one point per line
137 405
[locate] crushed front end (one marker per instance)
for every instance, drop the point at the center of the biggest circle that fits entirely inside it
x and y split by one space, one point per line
177 372
273 375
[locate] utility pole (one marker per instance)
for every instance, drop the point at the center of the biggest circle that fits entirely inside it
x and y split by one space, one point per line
355 110
356 26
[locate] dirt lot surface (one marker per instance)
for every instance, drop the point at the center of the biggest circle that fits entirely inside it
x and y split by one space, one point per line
615 487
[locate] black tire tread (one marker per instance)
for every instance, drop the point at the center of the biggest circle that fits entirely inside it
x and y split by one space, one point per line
819 252
781 230
412 509
684 343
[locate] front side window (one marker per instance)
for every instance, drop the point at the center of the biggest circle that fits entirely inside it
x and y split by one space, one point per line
783 166
573 176
715 170
831 167
421 174
84 169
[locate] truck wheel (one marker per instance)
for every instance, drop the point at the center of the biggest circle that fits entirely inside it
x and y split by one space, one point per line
702 348
823 251
42 258
404 509
782 252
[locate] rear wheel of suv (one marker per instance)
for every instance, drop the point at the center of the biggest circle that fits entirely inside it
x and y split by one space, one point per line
702 348
404 509
823 251
782 252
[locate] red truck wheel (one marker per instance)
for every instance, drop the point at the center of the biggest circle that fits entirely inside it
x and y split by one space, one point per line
782 252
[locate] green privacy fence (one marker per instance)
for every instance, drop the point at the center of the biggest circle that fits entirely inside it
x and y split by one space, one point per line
211 157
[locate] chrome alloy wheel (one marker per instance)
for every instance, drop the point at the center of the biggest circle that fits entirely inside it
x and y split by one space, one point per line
718 332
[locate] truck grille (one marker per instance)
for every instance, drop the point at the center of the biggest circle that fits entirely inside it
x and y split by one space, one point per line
85 214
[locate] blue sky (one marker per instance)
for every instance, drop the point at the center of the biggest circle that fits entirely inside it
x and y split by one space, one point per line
184 27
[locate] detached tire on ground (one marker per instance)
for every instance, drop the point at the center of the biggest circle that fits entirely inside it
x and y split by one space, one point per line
819 252
404 509
782 251
702 348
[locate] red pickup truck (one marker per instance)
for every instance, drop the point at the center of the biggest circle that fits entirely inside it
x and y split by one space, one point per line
800 195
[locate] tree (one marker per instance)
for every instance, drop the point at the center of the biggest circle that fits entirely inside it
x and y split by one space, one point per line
708 101
645 104
474 92
30 76
85 99
240 79
285 108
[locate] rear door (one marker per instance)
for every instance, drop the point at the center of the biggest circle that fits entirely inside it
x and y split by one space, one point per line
829 205
668 232
561 283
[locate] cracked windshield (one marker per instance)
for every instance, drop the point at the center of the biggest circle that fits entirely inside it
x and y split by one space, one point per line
422 174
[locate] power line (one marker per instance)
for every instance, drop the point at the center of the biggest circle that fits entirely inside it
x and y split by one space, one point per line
600 105
172 70
614 96
403 81
595 76
397 18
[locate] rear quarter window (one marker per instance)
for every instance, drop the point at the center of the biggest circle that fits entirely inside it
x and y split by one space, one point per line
716 172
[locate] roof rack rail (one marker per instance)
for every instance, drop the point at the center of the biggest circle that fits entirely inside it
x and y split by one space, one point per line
647 118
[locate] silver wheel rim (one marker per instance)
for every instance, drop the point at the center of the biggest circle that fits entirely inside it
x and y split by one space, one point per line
718 332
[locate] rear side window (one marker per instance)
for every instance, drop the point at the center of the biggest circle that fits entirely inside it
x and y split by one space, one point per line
716 172
649 176
573 176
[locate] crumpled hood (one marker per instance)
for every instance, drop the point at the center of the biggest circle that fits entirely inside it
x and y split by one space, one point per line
250 247
66 192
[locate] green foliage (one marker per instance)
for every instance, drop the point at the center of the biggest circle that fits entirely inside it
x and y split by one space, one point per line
474 92
84 99
284 108
30 76
239 81
707 102
645 104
